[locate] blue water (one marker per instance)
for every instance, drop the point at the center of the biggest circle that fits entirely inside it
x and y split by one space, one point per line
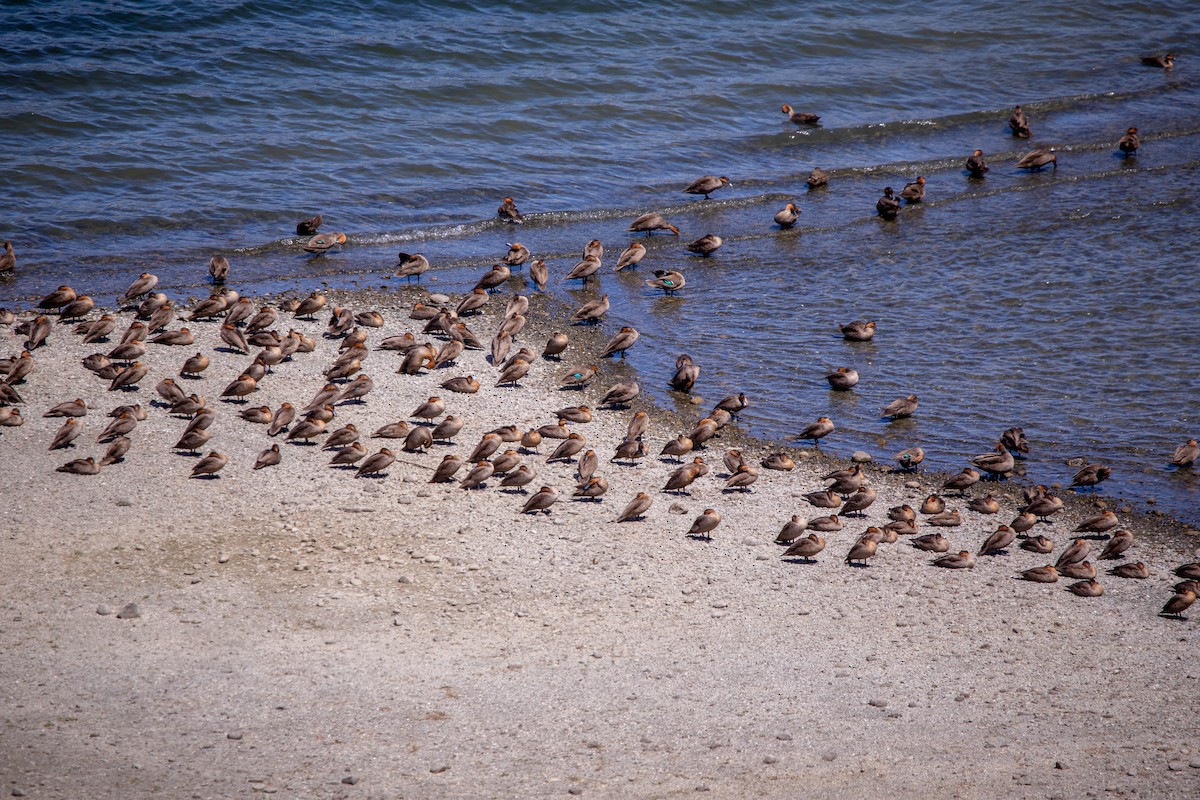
152 135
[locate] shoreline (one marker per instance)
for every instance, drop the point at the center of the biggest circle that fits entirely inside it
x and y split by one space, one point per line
535 654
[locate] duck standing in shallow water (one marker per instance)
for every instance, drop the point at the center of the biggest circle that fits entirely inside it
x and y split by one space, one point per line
669 280
888 206
8 261
976 166
707 185
652 222
1036 159
1129 143
788 216
914 192
800 117
705 245
1018 123
508 212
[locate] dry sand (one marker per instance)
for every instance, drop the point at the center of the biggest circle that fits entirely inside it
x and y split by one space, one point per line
306 633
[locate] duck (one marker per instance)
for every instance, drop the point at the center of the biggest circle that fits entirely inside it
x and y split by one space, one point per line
859 502
218 269
1037 159
1046 574
1129 143
585 269
494 277
508 212
931 543
630 256
1098 523
946 519
999 462
651 222
418 440
1135 571
817 179
685 475
800 117
211 464
1076 553
1178 604
787 216
863 549
580 378
376 464
621 341
962 481
903 407
975 165
669 280
589 312
517 255
985 505
961 560
444 473
1162 62
687 372
857 331
541 500
73 408
933 504
706 245
63 295
8 261
1037 544
842 379
477 476
591 489
1088 588
1090 475
309 227
742 478
621 394
1186 454
792 530
411 265
817 431
914 192
629 450
324 242
568 448
680 446
995 543
909 459
1117 545
539 273
804 548
636 508
781 462
828 524
888 206
1018 124
1014 441
706 185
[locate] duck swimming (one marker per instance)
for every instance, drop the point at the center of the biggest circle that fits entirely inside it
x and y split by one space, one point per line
817 179
1018 123
508 212
976 165
799 117
887 206
324 242
1162 62
1129 143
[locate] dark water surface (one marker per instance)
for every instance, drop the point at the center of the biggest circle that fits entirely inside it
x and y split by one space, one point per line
150 136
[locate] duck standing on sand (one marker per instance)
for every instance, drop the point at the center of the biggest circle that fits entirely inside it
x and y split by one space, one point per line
1018 123
976 165
651 222
888 206
800 117
1037 159
1129 143
706 185
508 212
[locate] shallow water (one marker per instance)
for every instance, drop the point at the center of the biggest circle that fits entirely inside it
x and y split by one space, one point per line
1061 301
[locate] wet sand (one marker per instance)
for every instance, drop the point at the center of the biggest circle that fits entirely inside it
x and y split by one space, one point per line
312 634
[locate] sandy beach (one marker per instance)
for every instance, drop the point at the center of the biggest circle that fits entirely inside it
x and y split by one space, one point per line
303 632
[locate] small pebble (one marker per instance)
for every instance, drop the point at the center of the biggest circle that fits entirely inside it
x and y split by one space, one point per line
104 609
783 737
350 780
440 769
575 790
860 457
1176 766
877 702
677 508
235 735
130 611
830 755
